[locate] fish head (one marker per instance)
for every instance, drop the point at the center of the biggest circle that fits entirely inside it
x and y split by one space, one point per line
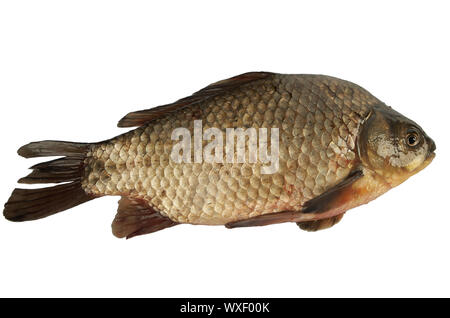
394 146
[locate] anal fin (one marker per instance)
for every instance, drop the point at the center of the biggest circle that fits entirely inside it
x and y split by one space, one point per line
135 217
317 225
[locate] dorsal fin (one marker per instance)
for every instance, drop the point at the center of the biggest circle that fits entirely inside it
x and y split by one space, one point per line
135 217
142 117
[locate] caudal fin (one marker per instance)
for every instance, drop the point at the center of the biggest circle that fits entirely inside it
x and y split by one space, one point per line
32 204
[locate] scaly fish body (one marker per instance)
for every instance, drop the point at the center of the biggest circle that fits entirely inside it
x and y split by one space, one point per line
331 156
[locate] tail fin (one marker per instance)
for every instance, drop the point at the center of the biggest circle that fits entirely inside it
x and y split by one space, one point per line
32 204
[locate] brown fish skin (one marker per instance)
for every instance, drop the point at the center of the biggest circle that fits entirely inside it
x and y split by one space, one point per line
317 150
339 147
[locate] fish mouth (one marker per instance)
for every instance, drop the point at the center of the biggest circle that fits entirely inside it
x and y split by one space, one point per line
431 150
432 146
428 160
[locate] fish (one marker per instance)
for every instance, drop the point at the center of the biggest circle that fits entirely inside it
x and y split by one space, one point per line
256 149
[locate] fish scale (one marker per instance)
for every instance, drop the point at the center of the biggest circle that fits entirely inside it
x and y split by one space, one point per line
318 118
335 147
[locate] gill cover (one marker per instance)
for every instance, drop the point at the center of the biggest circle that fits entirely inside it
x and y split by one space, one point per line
393 146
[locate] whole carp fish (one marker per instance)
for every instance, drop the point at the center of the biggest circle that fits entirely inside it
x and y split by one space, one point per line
256 149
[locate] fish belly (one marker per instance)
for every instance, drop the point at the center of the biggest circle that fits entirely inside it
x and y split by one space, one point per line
317 118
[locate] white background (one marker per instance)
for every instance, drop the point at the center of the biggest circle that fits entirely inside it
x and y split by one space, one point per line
70 70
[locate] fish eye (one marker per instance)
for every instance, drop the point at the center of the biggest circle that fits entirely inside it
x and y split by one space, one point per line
412 139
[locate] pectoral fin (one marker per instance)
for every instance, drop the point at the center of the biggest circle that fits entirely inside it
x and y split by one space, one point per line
317 225
334 197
